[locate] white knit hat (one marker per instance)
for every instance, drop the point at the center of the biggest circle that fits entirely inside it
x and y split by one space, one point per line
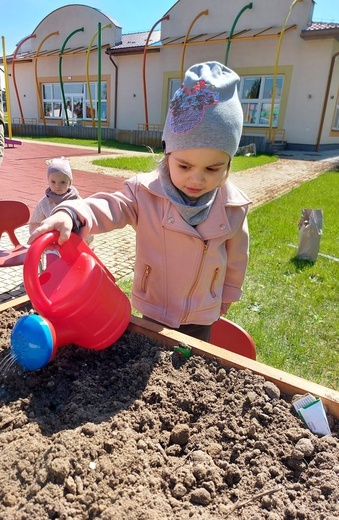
205 112
60 165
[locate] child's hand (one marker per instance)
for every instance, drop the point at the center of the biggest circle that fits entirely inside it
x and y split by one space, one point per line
61 221
224 308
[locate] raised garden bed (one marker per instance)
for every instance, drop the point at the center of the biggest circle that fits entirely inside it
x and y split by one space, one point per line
137 432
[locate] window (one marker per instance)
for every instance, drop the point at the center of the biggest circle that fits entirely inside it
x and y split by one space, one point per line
174 85
78 100
255 94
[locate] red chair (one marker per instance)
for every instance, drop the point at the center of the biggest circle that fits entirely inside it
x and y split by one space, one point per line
13 215
230 336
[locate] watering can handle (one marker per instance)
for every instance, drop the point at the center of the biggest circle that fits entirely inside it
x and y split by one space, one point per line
69 251
31 265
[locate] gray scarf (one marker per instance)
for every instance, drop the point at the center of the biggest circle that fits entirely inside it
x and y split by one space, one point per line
192 211
71 193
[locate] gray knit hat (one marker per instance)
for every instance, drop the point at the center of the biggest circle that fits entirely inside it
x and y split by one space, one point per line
60 165
205 112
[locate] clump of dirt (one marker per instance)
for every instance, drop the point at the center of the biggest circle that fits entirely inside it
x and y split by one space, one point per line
136 432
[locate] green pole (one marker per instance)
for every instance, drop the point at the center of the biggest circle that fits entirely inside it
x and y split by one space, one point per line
99 87
248 6
60 70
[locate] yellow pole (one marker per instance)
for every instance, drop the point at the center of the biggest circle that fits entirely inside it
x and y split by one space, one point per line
276 66
8 100
144 67
41 108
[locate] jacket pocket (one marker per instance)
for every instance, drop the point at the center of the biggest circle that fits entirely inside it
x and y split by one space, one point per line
214 280
144 281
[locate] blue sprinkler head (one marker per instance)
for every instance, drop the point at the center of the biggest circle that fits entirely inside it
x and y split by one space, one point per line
32 342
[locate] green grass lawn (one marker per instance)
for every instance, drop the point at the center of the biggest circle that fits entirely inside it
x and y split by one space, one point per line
290 306
105 143
149 163
144 164
240 162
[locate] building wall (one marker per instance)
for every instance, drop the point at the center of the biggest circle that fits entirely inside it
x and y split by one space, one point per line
69 18
64 21
222 13
305 65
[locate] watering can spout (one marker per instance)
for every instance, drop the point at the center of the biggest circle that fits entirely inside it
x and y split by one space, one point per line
76 298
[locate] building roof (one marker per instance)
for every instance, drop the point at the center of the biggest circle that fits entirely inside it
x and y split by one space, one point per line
320 31
134 42
30 55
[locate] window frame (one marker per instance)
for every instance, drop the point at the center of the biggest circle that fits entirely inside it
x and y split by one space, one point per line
259 107
335 124
52 104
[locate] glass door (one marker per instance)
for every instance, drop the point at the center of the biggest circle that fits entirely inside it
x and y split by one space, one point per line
74 104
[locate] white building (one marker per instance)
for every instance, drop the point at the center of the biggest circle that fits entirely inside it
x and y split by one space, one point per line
274 46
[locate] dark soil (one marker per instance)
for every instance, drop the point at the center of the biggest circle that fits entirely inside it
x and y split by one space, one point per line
135 432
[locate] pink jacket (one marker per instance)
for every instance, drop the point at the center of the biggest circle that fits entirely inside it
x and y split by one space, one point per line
44 209
182 274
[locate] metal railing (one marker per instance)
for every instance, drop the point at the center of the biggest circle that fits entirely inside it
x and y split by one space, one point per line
28 121
157 127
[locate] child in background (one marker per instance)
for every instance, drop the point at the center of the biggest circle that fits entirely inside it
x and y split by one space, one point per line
60 189
190 220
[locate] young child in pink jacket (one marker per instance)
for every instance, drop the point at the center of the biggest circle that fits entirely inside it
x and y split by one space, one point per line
190 220
60 189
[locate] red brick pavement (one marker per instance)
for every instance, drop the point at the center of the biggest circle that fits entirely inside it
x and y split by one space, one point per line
23 172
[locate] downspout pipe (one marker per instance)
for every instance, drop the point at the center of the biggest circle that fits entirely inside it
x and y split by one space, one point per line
14 77
248 6
329 80
60 70
115 91
167 17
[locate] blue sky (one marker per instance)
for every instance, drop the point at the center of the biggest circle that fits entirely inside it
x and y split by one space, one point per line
20 17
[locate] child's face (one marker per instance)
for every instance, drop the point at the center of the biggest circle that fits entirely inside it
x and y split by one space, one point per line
199 170
59 183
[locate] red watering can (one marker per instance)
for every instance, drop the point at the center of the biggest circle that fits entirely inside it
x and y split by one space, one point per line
77 300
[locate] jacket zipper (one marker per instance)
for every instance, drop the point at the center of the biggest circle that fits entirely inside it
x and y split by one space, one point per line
145 278
215 278
195 282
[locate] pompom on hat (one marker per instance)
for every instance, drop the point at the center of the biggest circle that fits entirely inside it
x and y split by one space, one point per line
205 111
60 165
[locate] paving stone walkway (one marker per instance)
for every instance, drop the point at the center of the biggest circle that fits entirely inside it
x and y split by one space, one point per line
23 175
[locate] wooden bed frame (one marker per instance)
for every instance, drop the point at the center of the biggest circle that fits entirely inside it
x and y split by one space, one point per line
288 384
